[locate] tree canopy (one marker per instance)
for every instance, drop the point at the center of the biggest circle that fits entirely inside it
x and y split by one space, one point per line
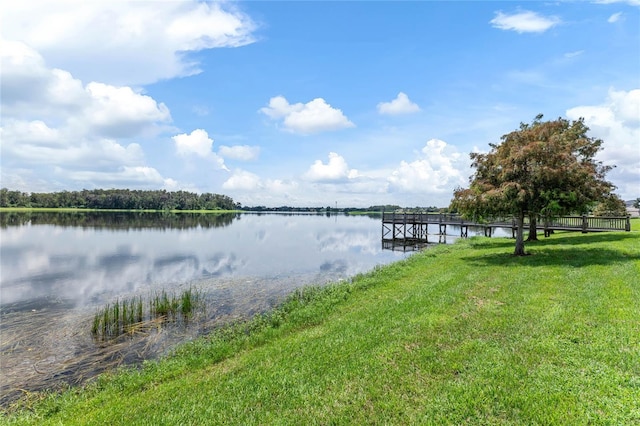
610 205
546 168
118 199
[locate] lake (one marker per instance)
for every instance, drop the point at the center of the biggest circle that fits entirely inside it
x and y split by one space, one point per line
58 269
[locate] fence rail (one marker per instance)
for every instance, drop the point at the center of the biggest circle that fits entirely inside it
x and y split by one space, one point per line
414 226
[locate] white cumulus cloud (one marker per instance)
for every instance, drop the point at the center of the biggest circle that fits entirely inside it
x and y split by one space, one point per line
32 90
197 143
336 169
68 72
617 122
246 182
29 87
438 169
524 22
400 105
313 117
242 180
119 111
240 152
126 176
52 121
126 42
33 143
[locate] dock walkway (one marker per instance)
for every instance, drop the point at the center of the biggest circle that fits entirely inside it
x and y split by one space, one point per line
413 227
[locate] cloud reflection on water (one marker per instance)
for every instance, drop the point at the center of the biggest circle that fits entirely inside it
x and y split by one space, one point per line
54 274
91 265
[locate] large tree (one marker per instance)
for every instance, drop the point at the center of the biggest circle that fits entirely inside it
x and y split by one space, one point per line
611 205
542 169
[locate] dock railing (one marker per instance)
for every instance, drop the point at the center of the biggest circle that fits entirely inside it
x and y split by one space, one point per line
589 223
562 223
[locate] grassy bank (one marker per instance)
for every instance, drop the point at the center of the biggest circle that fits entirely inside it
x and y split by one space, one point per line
463 334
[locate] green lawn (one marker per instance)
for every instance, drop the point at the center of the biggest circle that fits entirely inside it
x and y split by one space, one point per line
463 334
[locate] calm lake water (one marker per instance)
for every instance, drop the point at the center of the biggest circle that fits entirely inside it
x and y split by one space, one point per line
58 269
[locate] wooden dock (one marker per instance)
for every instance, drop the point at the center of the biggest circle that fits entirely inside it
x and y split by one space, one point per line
412 228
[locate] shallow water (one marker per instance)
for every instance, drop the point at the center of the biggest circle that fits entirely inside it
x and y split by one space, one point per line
57 269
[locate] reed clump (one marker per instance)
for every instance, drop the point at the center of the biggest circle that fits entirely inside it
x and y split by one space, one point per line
129 315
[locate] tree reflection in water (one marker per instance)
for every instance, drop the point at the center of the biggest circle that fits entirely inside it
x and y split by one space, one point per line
118 220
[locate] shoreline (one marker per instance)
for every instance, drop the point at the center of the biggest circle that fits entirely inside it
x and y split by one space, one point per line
84 360
474 318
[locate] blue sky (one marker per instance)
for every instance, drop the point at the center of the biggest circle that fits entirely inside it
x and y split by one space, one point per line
305 103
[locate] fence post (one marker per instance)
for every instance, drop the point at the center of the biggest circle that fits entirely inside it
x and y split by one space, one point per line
627 225
585 224
546 227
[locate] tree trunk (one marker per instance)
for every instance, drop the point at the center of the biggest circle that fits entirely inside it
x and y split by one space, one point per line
520 236
533 230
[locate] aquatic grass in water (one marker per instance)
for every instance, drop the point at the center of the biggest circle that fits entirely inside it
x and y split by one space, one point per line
127 316
187 302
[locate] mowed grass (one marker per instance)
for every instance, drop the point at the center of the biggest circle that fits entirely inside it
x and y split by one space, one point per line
463 334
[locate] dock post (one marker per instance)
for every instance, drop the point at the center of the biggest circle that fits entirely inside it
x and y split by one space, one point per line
393 223
405 226
547 233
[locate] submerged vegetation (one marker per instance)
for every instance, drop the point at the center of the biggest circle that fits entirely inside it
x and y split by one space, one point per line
457 334
129 316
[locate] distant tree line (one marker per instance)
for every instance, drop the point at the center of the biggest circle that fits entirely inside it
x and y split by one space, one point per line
284 209
125 199
376 208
